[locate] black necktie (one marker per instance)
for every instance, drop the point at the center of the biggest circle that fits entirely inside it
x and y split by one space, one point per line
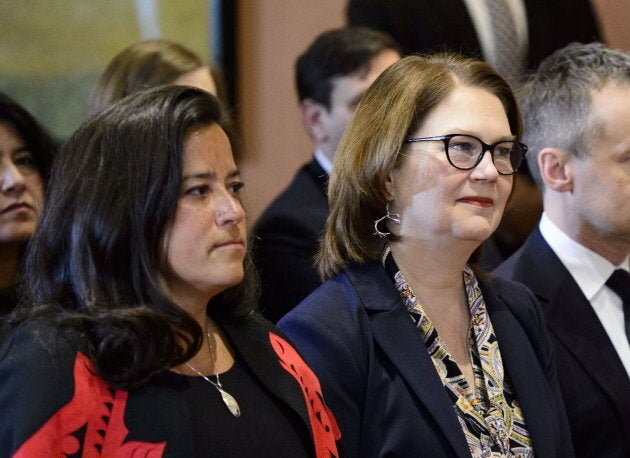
619 282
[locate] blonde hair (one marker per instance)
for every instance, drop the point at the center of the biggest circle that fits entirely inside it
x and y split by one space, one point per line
143 65
389 112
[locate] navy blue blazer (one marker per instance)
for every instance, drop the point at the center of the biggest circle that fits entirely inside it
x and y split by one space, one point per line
286 238
380 383
595 385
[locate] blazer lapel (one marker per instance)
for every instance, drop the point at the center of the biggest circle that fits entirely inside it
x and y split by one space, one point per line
318 175
395 333
527 378
251 340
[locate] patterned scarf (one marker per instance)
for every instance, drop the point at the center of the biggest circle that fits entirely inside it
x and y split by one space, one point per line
489 414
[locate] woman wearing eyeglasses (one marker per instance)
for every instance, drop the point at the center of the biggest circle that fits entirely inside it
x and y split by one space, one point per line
419 354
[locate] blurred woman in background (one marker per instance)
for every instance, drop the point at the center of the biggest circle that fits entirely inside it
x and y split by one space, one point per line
26 152
151 63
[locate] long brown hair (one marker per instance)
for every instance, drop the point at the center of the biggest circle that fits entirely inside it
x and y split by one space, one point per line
143 65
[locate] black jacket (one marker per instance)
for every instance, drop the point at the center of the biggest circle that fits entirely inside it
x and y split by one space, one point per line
594 383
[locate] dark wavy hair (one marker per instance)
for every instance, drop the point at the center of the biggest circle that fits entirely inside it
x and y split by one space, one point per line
35 137
94 262
39 142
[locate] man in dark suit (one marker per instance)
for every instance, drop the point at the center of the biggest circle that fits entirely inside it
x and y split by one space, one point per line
577 125
331 76
461 25
539 27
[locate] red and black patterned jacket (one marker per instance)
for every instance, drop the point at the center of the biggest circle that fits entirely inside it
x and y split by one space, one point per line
52 404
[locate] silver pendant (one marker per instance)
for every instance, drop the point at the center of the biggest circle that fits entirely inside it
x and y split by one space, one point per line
230 402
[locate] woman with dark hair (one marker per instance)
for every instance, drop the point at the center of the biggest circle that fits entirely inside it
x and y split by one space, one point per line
419 354
25 154
148 64
138 334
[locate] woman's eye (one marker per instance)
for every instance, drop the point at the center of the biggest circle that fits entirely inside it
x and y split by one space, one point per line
25 160
503 150
237 187
201 190
461 146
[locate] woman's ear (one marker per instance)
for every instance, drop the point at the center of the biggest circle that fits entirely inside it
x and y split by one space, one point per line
389 185
555 169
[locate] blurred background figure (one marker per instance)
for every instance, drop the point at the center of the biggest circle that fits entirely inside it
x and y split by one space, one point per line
576 115
26 152
530 29
513 36
419 355
330 76
147 64
138 335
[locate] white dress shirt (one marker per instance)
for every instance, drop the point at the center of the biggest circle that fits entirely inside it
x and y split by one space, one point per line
323 161
590 271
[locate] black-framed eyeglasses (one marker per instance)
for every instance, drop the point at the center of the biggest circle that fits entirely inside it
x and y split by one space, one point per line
465 152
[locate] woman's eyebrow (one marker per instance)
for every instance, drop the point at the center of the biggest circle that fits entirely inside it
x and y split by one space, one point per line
210 175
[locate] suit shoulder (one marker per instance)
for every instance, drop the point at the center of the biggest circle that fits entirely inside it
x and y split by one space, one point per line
513 266
336 301
506 286
34 352
303 197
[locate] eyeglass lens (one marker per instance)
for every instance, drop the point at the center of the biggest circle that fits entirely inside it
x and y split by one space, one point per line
464 152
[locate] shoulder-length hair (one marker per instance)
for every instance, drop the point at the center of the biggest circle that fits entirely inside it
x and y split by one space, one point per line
94 262
141 66
390 111
36 138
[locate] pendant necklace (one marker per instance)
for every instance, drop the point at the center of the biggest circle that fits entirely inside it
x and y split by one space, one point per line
226 397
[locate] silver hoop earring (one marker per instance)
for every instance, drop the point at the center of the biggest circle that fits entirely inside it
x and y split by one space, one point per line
393 217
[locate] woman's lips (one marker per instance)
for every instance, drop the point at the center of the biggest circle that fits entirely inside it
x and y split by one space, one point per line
19 207
478 201
236 243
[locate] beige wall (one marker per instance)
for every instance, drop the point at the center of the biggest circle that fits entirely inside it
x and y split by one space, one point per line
614 16
272 33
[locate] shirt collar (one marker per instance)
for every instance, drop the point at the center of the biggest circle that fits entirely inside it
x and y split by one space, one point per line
323 161
589 270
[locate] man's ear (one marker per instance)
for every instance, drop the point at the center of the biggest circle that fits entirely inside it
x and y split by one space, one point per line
314 120
555 169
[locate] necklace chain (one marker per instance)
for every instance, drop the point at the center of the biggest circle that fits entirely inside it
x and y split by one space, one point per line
227 398
216 384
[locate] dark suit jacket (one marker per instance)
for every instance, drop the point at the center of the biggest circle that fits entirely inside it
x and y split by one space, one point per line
594 383
286 238
381 384
39 381
445 25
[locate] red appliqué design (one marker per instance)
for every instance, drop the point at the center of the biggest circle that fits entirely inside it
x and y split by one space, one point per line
91 425
325 429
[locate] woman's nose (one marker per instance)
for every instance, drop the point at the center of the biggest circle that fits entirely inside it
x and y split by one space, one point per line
485 170
230 211
11 179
